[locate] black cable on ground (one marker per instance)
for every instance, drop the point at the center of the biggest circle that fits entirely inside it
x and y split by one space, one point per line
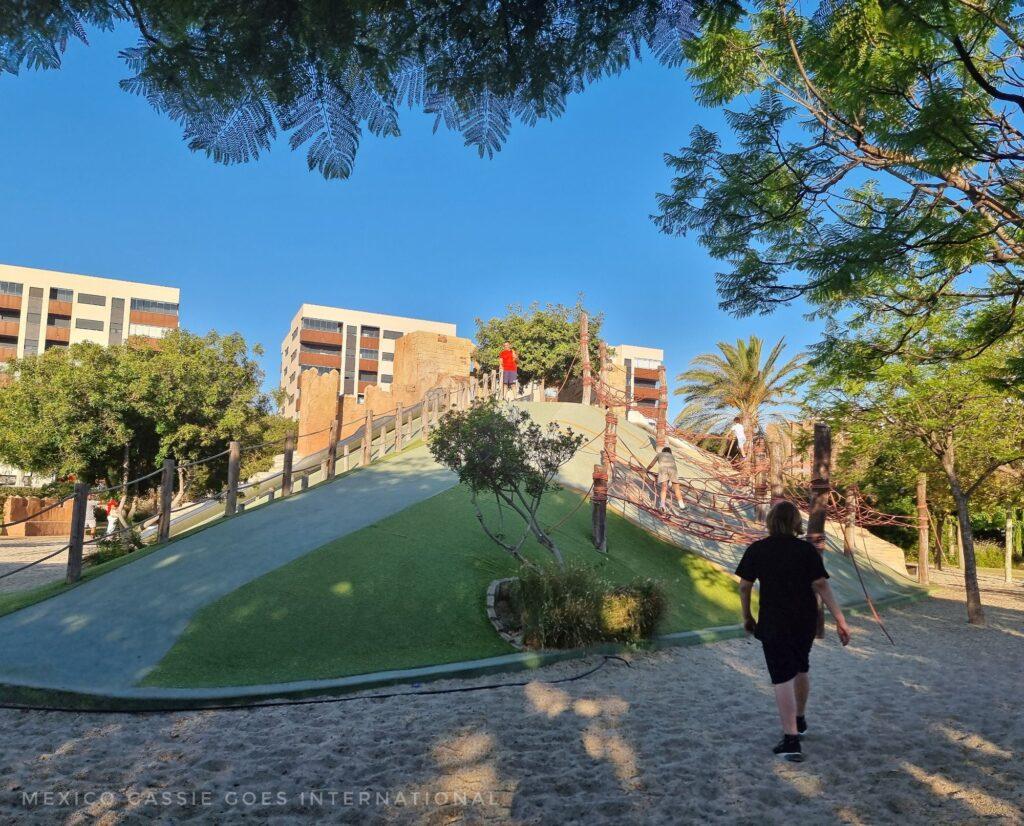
312 701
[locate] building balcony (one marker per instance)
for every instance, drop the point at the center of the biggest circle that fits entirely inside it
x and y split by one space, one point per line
9 328
146 318
61 335
321 337
320 360
59 308
646 374
10 302
646 393
368 365
369 343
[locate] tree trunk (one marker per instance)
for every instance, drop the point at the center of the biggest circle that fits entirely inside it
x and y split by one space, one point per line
179 497
975 612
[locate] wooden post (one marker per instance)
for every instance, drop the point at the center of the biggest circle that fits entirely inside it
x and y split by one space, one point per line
611 427
425 418
776 489
234 468
332 448
585 357
77 541
1008 553
602 368
368 437
818 506
286 470
850 528
661 432
399 436
344 458
163 530
599 500
923 542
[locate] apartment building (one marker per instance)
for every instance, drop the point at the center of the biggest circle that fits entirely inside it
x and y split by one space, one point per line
641 380
359 345
41 309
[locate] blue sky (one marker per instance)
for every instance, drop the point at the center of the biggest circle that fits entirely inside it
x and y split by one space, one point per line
94 181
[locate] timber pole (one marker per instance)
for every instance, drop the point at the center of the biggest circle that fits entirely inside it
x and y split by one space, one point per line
821 483
77 541
332 449
1008 552
585 357
234 468
398 429
368 437
163 530
286 467
661 433
599 500
611 427
923 539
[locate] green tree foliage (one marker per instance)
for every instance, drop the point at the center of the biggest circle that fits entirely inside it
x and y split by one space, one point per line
872 169
738 380
546 339
952 419
498 450
233 75
114 413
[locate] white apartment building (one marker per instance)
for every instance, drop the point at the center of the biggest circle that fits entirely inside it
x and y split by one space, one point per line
642 366
360 345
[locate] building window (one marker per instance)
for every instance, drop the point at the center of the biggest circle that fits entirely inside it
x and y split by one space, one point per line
8 480
386 379
321 324
295 332
9 315
371 332
369 354
321 350
392 335
61 321
387 356
10 288
148 331
88 324
366 375
146 305
95 300
58 294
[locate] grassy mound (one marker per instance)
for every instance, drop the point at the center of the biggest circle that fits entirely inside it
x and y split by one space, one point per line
409 591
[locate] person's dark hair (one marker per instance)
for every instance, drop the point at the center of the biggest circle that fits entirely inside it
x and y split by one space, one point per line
738 419
666 449
784 520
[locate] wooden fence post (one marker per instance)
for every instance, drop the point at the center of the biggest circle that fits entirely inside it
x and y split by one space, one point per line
821 475
399 436
777 490
599 501
850 528
923 542
1008 553
77 541
611 427
661 430
234 468
332 449
286 470
163 531
345 461
585 357
368 437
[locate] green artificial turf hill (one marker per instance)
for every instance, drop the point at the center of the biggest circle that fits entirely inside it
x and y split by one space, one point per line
409 591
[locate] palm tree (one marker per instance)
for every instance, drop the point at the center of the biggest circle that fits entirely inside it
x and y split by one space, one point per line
735 382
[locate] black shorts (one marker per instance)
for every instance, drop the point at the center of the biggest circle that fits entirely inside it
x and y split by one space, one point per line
788 656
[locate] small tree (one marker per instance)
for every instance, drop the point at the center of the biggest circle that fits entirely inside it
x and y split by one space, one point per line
547 340
498 450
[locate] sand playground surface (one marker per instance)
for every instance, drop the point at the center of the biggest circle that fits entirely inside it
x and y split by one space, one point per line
931 731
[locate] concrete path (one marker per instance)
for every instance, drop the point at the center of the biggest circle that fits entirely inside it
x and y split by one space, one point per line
16 551
108 633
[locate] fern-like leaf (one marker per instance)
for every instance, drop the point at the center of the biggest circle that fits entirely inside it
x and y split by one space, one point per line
326 113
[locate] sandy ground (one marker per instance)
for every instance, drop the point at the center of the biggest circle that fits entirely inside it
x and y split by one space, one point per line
15 552
928 732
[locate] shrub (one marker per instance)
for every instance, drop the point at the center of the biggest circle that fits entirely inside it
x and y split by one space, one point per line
990 554
572 607
115 547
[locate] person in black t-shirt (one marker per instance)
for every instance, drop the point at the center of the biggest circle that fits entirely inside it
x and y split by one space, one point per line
792 577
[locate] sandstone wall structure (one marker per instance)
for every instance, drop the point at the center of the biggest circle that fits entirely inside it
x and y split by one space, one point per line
423 361
56 522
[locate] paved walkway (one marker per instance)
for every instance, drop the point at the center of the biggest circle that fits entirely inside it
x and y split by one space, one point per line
15 552
110 632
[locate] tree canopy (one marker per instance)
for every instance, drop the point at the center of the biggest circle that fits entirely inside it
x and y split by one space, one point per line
234 74
547 340
873 168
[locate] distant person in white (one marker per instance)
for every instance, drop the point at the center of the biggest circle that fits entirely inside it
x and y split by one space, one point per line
740 435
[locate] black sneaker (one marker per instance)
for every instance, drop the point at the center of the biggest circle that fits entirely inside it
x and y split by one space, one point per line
789 748
801 726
